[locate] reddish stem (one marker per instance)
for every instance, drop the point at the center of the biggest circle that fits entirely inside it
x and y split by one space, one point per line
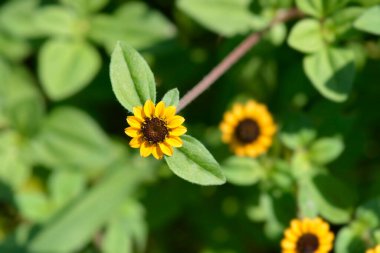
233 57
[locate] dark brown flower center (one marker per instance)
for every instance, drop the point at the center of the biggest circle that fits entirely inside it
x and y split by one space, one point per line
154 130
307 243
247 131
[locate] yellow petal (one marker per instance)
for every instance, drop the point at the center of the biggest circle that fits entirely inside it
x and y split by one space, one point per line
132 132
166 149
160 109
176 121
286 244
134 121
178 131
136 142
174 141
157 153
138 112
169 112
149 108
146 149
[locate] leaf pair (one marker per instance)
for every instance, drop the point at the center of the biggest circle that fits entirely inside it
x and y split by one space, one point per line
133 83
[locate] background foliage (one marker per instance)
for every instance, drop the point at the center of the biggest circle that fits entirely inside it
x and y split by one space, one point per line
70 183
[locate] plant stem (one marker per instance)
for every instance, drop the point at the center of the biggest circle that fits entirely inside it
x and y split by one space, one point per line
233 57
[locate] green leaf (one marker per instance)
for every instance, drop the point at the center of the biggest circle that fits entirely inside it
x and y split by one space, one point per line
348 241
22 104
369 21
14 171
65 186
86 6
142 26
332 72
306 36
71 229
66 67
194 163
334 199
171 97
81 146
298 140
307 206
342 22
13 48
56 20
242 171
369 213
320 8
132 80
34 206
115 238
212 14
326 150
17 18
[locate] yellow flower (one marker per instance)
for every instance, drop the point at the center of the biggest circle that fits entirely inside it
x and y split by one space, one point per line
155 129
307 236
248 129
374 250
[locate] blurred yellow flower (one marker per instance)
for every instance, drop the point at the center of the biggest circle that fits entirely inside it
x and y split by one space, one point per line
155 129
307 236
248 129
374 250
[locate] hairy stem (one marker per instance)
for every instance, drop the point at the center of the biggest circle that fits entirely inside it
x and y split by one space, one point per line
233 57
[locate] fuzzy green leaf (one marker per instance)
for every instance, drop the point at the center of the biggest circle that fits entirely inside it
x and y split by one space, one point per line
132 80
56 20
212 14
332 72
71 229
194 163
327 191
320 8
326 150
86 6
66 67
171 97
369 21
242 171
306 36
348 241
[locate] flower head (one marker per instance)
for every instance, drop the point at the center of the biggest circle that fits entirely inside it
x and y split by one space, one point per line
374 250
307 236
248 129
155 129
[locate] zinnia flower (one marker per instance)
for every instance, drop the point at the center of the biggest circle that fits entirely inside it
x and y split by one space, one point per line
155 129
248 129
307 236
374 250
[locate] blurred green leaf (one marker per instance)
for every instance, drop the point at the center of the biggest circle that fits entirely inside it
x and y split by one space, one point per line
342 22
332 72
212 14
242 171
307 206
14 171
21 103
56 21
298 140
369 213
171 97
132 80
194 163
320 8
70 138
34 206
142 26
115 238
66 185
348 241
306 36
86 6
369 21
17 17
66 67
72 228
13 48
326 150
333 198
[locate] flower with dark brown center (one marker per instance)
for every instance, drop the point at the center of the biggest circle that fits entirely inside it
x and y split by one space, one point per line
307 236
248 128
155 129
